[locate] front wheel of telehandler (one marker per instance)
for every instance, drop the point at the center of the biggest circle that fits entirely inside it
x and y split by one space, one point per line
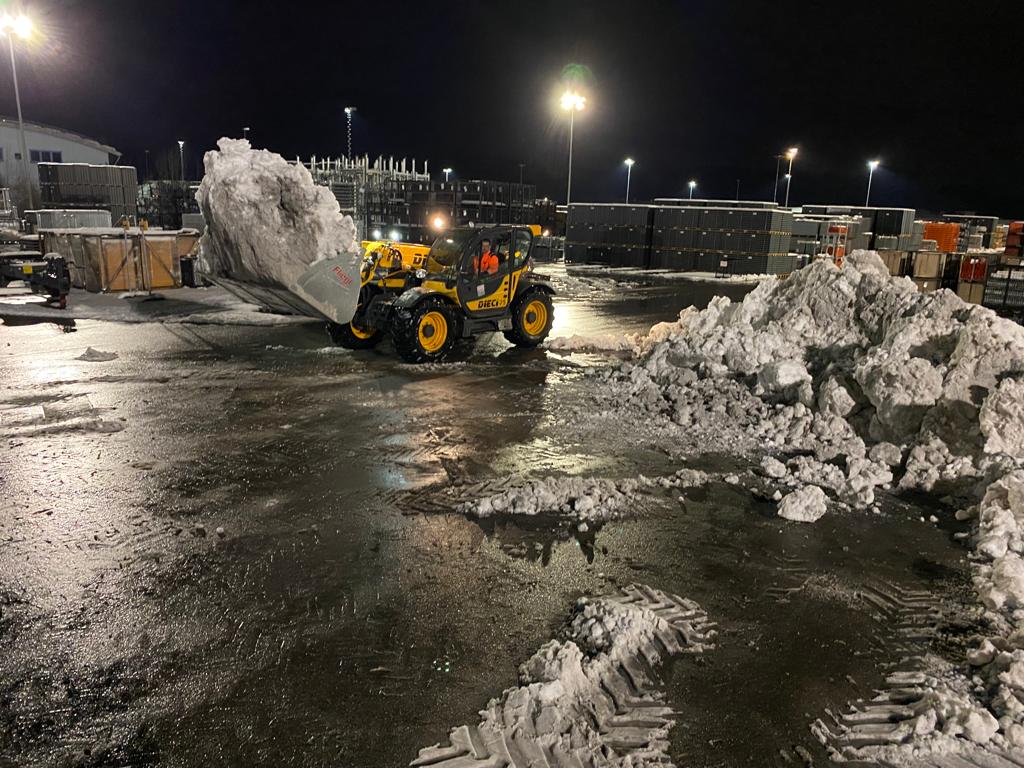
426 333
532 315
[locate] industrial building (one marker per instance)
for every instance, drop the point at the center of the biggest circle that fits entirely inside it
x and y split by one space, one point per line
46 144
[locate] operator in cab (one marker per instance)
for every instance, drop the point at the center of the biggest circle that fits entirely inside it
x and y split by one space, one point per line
487 262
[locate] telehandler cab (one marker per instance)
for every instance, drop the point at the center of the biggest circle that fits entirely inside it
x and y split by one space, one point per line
428 301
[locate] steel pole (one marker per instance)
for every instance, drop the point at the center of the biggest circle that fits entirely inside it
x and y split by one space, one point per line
789 180
26 167
867 197
629 171
568 188
348 114
181 161
778 164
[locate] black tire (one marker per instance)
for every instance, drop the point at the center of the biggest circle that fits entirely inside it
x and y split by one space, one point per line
529 328
426 347
353 337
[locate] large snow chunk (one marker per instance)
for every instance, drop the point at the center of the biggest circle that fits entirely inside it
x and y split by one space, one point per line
806 505
268 225
1002 418
1004 586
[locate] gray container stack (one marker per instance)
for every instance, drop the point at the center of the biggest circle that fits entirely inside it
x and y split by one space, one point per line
79 185
720 237
972 224
618 235
686 235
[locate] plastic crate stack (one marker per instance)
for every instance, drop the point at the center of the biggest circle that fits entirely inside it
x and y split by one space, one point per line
618 235
1014 232
79 185
945 234
734 240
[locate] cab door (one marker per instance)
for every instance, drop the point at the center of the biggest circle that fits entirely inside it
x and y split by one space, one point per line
483 295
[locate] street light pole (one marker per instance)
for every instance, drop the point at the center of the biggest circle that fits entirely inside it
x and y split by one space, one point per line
789 175
778 163
181 159
872 165
629 171
245 132
692 185
573 102
348 118
22 27
446 172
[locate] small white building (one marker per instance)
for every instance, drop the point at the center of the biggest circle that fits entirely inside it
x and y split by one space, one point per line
46 144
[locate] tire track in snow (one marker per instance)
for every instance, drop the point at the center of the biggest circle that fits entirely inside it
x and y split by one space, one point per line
624 715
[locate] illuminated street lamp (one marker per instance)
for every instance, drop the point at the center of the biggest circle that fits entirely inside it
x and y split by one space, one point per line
790 155
181 158
447 172
19 26
629 170
245 132
872 164
437 222
572 102
348 118
692 185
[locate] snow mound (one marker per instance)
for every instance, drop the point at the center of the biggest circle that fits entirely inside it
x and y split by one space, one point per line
629 342
580 696
267 222
585 498
96 356
867 383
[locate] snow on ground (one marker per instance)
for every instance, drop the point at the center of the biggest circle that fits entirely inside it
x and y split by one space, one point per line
586 699
863 382
586 499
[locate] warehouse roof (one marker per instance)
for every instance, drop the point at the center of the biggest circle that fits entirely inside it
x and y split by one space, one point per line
60 133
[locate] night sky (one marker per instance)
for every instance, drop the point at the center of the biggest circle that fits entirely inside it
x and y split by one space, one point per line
705 90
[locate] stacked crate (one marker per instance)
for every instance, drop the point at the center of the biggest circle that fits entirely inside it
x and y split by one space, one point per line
79 185
945 234
618 235
1004 290
1014 234
929 268
998 241
721 238
983 225
972 274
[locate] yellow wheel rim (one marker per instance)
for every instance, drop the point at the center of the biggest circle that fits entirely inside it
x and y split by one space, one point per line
360 333
535 317
433 331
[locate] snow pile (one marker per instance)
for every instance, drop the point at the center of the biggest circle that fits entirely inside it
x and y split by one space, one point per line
592 499
629 342
579 696
96 356
866 383
266 221
587 499
831 362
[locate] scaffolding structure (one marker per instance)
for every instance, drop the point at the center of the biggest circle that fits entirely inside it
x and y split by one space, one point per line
395 198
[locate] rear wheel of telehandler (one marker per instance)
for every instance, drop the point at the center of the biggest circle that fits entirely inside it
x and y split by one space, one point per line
426 333
532 315
354 336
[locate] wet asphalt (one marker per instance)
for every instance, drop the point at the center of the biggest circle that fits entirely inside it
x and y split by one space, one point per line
246 573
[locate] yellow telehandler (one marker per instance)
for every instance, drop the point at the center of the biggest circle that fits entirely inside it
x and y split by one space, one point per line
427 299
